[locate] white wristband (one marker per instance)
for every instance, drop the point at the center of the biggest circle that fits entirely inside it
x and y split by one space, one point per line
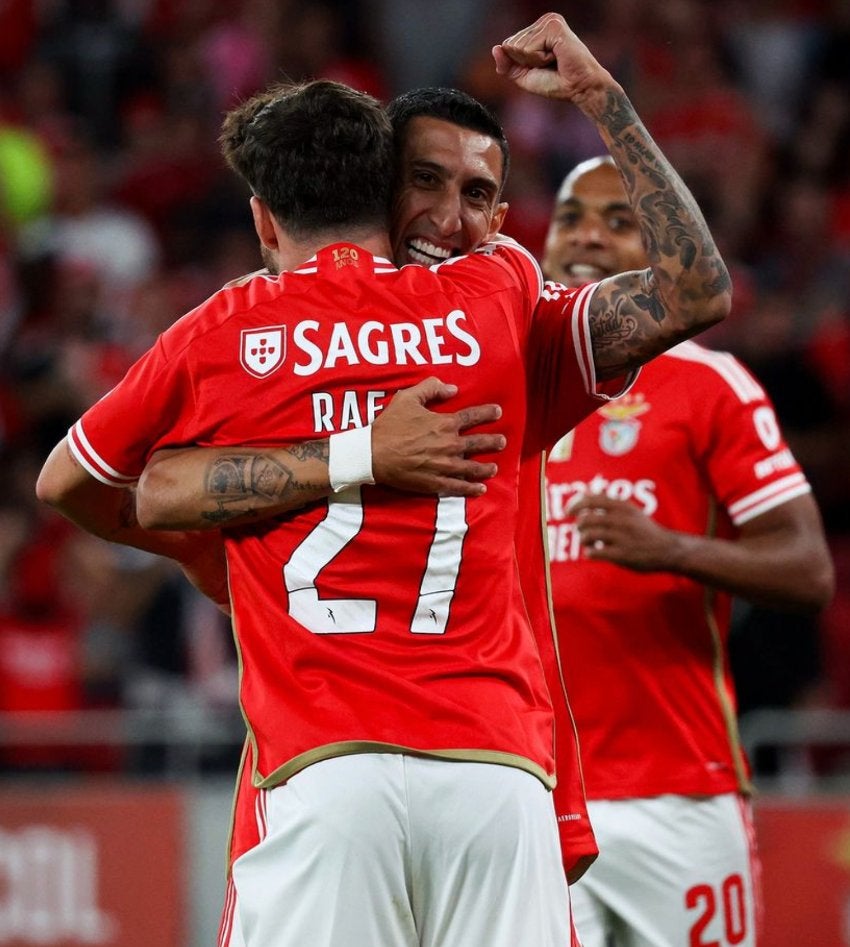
350 458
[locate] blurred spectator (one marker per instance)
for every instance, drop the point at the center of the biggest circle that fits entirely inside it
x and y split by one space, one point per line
775 45
99 56
424 44
83 231
25 177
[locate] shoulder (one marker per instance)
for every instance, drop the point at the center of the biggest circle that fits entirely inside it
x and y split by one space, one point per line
709 368
504 262
235 298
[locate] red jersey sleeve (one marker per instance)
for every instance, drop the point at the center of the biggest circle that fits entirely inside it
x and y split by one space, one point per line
115 437
748 462
563 387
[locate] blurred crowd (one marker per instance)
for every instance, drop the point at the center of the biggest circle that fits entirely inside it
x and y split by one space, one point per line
117 215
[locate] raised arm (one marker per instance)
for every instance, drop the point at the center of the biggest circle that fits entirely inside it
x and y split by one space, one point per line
686 289
412 448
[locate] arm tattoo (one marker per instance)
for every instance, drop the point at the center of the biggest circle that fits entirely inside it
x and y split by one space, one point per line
245 485
311 450
636 315
239 476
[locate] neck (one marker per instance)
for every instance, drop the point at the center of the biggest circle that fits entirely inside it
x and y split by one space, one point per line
376 241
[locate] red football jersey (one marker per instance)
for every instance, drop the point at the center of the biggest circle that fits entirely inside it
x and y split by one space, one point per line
374 621
562 390
696 445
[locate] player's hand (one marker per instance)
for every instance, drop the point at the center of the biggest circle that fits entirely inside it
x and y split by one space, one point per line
618 531
548 59
426 451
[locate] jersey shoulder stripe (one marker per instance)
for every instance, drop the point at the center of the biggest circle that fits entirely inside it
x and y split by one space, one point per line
769 497
582 339
746 388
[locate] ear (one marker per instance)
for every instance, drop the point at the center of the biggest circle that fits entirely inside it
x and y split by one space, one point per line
264 224
497 220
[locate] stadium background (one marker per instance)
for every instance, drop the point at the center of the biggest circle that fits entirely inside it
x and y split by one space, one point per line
118 734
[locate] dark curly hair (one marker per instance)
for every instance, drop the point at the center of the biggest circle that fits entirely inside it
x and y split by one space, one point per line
318 154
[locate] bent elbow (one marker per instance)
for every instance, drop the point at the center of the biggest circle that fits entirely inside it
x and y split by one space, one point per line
721 306
816 584
715 309
49 489
823 588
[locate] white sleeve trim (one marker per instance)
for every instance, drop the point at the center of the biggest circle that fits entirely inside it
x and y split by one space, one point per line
583 344
91 461
769 497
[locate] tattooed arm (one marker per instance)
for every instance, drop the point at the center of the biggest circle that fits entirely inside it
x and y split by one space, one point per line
636 315
205 488
413 449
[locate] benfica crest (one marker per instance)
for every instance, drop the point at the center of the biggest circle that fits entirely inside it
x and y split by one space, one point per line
619 432
262 350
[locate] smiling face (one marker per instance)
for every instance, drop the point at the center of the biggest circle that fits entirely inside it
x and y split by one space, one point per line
447 202
593 233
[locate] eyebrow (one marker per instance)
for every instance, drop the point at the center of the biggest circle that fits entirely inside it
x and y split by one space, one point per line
489 184
572 202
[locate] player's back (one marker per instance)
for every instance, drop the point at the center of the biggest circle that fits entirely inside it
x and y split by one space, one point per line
378 620
374 619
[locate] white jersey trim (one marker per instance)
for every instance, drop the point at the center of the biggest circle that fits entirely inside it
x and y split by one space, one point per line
727 366
769 497
582 342
91 461
583 345
504 241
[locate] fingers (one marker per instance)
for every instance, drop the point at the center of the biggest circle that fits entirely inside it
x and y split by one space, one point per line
460 488
504 63
483 444
582 504
478 414
531 47
431 389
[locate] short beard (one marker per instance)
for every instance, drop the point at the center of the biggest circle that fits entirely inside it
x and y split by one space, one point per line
269 259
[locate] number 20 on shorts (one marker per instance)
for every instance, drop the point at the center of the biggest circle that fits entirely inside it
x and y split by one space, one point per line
730 900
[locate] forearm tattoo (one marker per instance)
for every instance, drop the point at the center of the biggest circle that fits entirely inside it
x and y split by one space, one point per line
686 269
245 485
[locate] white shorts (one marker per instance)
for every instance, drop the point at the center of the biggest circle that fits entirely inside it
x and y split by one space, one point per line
673 871
387 850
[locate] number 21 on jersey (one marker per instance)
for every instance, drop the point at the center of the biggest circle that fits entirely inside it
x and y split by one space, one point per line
328 538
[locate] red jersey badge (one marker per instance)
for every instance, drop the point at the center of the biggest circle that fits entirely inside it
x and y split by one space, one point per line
619 432
262 350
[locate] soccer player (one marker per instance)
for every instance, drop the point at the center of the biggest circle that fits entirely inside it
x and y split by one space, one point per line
662 505
329 638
